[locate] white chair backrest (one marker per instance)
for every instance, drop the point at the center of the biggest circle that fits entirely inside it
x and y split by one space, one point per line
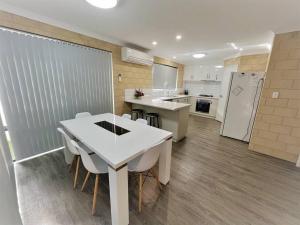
68 140
92 163
147 160
142 121
82 115
126 116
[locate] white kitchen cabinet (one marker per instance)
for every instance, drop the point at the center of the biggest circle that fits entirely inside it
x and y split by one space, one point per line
219 74
181 100
209 74
202 73
213 74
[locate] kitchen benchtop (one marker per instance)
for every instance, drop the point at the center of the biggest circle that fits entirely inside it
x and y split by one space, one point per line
204 97
159 102
175 97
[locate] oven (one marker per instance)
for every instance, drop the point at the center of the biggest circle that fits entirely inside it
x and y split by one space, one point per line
203 106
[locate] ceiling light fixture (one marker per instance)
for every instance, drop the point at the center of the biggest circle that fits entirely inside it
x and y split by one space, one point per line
219 66
241 49
154 43
174 57
199 55
178 37
234 46
103 4
266 45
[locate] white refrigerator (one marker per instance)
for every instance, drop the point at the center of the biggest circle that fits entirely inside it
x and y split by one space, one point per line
241 105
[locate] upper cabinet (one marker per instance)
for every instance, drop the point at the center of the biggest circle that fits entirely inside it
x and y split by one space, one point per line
202 73
219 74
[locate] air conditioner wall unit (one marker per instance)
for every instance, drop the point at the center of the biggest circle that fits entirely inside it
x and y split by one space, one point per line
137 57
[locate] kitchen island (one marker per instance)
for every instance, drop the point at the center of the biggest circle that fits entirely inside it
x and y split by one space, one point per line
173 115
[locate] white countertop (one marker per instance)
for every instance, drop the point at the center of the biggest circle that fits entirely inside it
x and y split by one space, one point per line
158 103
214 97
115 150
175 97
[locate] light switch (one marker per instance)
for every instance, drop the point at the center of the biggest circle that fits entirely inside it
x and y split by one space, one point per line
275 94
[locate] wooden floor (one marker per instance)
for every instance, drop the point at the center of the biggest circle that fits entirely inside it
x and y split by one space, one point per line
214 180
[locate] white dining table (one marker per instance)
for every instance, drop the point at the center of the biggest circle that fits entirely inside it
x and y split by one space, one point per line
118 149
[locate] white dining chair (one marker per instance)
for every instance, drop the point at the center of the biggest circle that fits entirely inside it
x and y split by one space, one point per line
143 121
82 114
126 116
143 165
74 152
93 164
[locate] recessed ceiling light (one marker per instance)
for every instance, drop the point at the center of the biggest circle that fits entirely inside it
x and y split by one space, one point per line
241 49
199 55
234 46
174 57
103 4
219 66
178 37
266 45
154 43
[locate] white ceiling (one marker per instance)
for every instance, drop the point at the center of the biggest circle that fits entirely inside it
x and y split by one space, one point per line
206 25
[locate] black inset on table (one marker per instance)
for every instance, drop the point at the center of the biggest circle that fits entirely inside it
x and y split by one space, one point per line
112 127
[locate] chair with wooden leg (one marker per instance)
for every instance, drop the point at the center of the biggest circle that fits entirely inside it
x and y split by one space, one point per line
143 166
143 121
74 152
82 115
93 164
126 116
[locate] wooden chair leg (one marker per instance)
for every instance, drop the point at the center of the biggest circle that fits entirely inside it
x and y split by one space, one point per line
156 178
140 191
76 173
95 194
85 180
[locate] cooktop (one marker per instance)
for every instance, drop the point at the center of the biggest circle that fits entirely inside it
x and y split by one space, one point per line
202 95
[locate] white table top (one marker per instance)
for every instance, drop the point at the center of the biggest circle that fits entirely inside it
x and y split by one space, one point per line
158 103
115 150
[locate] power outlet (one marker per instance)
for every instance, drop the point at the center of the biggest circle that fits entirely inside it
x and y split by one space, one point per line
275 94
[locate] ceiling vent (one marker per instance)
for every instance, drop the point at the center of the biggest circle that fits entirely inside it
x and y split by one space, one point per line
137 57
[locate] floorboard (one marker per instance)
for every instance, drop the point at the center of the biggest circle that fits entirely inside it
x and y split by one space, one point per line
214 181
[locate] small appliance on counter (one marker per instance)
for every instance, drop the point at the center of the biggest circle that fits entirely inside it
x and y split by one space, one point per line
186 92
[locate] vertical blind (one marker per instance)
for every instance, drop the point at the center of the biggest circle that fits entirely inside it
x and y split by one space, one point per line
44 81
164 77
